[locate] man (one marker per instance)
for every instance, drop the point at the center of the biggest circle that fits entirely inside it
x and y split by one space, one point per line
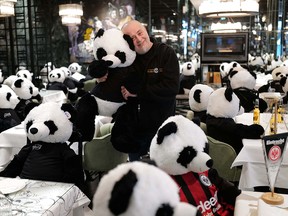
158 66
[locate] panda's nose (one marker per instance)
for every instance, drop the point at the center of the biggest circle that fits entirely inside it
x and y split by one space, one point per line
209 163
33 130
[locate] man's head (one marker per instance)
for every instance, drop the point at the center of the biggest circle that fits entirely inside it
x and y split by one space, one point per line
139 35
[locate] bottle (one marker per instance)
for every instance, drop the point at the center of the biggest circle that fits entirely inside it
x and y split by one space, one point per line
280 112
256 112
273 123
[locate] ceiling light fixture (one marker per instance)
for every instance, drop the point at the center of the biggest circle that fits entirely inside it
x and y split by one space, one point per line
228 8
7 8
71 14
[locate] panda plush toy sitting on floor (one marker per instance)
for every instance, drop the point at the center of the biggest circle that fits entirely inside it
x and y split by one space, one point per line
8 102
180 148
46 155
141 189
113 52
187 78
243 82
198 100
223 107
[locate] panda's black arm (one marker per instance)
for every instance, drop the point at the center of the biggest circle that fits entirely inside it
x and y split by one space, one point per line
98 68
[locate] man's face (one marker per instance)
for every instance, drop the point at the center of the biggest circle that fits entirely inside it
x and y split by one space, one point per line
139 36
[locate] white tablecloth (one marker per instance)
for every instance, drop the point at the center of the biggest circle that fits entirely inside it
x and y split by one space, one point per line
248 203
53 95
251 157
47 199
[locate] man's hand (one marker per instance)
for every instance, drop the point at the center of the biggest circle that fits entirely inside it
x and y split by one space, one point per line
126 93
102 79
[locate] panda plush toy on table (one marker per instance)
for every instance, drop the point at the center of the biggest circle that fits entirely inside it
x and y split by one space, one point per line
243 82
141 189
8 102
198 100
187 78
223 106
180 148
46 155
113 52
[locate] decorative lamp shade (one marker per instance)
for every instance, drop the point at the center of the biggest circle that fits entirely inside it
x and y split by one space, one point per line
71 14
7 8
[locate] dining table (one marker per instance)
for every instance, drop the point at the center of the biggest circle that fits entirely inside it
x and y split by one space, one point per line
250 203
251 156
43 198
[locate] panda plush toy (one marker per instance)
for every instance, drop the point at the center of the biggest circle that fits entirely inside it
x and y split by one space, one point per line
187 78
243 82
225 68
25 74
180 148
28 94
1 76
47 156
141 189
198 100
58 81
113 52
8 102
223 106
277 74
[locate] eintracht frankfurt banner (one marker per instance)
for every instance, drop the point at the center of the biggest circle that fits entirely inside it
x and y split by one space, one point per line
273 147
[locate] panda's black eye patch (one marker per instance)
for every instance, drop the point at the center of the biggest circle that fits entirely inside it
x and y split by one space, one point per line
101 53
206 148
51 125
186 156
31 90
28 124
197 95
8 96
189 66
121 56
164 209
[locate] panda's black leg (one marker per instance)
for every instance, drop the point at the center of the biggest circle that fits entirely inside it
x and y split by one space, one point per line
87 110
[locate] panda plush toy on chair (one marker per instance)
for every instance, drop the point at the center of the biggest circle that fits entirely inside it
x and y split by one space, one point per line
113 52
187 78
141 189
180 148
8 102
223 106
47 156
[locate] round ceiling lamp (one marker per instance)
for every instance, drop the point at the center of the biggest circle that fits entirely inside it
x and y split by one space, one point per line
71 14
228 8
7 8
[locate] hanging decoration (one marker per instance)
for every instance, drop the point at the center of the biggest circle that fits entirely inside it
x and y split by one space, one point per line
71 14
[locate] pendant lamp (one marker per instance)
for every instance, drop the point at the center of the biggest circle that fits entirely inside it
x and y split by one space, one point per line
7 8
71 14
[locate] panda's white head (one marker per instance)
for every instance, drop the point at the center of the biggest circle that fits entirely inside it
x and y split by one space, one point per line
224 103
226 67
25 89
241 77
188 69
199 96
116 48
180 146
10 80
279 72
8 98
66 71
56 75
141 189
50 122
75 67
24 74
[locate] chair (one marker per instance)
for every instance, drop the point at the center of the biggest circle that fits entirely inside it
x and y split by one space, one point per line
223 156
99 154
89 84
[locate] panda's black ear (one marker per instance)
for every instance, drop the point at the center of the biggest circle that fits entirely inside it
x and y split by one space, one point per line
232 72
228 94
100 33
283 81
122 192
166 130
129 41
197 95
69 110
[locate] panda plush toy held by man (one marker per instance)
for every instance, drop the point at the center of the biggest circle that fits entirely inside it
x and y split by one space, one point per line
141 189
46 155
198 100
243 82
223 106
113 52
180 148
187 78
8 102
